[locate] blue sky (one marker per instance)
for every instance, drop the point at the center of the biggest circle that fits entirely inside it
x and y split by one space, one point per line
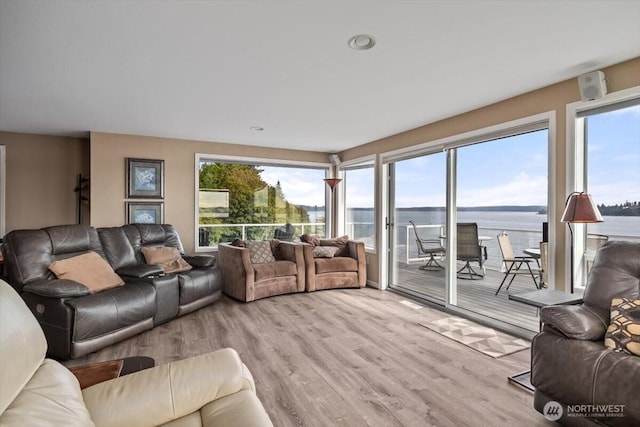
509 171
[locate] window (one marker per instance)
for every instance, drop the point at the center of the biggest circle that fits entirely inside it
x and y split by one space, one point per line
607 159
359 202
250 201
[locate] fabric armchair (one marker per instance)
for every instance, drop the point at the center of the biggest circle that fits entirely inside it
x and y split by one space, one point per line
247 281
346 269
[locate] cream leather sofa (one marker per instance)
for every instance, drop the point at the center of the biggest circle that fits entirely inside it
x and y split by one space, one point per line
212 389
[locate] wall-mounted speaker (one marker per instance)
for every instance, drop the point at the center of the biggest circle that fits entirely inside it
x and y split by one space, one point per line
334 159
592 85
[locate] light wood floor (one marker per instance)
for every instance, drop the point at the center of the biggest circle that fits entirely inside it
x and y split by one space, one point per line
355 357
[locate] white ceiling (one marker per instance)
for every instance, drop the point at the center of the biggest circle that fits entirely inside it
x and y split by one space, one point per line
210 70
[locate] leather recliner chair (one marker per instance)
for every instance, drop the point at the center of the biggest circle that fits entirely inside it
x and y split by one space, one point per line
212 389
569 362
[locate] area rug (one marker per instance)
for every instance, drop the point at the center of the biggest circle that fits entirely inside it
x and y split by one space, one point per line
481 338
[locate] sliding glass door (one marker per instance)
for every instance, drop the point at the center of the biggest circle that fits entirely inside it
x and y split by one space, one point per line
488 186
417 228
502 188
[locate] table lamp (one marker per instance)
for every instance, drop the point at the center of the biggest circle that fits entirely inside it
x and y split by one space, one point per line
579 208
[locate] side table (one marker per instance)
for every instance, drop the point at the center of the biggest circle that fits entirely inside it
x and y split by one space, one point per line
540 298
95 373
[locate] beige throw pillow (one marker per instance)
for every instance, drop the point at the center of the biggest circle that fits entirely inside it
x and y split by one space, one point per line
90 269
260 251
169 259
324 251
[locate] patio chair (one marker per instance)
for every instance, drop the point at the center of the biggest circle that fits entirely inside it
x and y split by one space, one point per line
431 248
516 265
469 250
285 233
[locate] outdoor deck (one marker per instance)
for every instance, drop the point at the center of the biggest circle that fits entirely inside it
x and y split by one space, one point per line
474 295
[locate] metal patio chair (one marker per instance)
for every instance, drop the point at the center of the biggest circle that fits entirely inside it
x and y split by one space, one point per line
469 250
286 233
516 265
430 248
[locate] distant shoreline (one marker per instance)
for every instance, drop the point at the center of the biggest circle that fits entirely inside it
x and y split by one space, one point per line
537 209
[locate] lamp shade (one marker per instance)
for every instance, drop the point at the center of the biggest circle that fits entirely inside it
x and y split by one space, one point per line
332 182
580 208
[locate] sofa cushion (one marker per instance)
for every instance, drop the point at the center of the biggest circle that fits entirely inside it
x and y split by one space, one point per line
324 251
336 264
623 333
260 251
274 269
169 259
90 269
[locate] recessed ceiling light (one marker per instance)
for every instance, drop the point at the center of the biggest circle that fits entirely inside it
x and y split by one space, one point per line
361 42
256 128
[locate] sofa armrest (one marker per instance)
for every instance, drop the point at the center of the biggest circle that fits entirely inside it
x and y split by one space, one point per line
162 394
237 272
140 271
575 321
200 261
294 252
309 266
57 288
357 252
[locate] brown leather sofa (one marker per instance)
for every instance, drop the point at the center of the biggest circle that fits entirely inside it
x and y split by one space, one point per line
570 364
76 321
347 269
214 389
246 281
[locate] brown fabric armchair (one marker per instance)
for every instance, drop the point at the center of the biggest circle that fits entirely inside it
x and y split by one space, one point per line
347 269
246 281
569 361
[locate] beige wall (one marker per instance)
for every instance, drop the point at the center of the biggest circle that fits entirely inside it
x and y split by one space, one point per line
41 170
551 98
108 154
41 173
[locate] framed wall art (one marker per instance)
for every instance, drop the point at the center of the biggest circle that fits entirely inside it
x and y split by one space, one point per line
145 179
145 212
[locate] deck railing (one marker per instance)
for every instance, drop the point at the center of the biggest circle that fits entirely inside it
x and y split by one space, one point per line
255 231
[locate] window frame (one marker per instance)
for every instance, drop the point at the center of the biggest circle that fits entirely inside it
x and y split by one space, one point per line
534 122
358 163
257 161
576 169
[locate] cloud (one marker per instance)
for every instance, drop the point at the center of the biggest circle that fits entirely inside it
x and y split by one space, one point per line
299 186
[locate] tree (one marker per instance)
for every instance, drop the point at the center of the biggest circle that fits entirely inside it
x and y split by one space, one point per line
251 200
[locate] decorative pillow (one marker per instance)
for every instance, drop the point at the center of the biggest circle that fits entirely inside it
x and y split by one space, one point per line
623 333
338 242
324 251
260 251
169 259
89 269
308 238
